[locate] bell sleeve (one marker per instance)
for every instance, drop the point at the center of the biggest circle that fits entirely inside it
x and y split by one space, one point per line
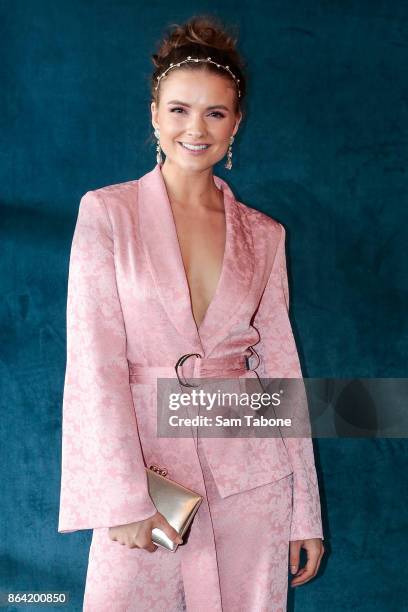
279 359
103 477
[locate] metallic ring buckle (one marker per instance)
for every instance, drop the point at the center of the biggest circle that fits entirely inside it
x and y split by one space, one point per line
180 362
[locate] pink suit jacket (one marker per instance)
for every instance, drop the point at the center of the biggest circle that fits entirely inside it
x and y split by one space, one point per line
129 303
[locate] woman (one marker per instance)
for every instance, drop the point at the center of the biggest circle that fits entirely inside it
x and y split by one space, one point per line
169 265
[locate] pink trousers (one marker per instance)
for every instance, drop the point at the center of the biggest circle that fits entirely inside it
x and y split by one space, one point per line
235 559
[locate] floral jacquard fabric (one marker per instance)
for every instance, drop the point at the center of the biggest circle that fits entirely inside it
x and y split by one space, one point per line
129 305
250 542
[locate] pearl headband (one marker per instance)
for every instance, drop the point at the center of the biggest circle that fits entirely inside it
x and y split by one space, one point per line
196 59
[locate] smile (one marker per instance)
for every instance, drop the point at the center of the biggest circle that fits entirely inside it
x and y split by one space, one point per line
192 147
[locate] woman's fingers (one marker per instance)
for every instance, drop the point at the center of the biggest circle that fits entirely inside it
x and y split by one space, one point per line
294 555
139 534
150 547
309 571
170 532
144 538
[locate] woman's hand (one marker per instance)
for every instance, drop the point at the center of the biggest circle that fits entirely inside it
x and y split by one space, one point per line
315 552
139 534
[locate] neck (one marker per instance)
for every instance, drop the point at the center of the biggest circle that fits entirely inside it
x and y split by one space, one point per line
191 189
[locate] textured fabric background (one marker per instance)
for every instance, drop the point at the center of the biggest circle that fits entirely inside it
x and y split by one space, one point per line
323 150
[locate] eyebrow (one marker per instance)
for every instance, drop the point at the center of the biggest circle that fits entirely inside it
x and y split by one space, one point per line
208 107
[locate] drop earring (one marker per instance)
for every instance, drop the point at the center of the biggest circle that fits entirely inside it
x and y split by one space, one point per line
159 158
228 164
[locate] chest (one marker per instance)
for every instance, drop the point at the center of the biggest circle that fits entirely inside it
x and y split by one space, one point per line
201 239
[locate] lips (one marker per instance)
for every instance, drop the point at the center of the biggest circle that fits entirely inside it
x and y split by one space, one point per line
201 145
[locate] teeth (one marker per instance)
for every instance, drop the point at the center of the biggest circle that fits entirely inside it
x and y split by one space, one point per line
194 147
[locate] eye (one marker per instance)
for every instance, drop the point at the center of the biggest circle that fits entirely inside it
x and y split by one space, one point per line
178 108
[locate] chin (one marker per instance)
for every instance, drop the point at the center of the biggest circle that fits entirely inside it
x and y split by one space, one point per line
193 163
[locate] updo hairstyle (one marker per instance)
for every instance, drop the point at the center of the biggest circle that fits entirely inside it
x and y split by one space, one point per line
202 36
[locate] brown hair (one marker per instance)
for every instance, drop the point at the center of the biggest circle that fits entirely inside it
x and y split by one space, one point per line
202 36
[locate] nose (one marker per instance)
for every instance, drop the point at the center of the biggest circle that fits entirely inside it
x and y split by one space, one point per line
196 126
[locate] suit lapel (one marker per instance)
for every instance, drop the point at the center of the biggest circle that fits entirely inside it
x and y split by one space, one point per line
163 253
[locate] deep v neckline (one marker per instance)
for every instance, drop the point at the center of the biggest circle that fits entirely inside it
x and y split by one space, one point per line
180 257
161 247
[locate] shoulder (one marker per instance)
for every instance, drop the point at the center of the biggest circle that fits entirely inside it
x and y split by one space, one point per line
267 234
112 193
110 200
262 225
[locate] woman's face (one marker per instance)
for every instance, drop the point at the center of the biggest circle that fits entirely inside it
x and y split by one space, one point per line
196 107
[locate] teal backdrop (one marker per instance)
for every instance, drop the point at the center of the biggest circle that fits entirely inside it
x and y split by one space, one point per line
323 150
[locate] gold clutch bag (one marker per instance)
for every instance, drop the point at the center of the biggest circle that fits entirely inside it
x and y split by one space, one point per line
175 502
